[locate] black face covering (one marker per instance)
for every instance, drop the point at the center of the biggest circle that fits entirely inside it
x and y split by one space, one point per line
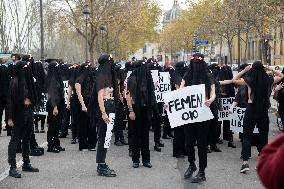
4 82
260 85
55 87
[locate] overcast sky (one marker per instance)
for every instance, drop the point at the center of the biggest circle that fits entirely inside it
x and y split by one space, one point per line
167 4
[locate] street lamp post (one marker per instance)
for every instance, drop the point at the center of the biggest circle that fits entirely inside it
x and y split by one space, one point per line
41 33
86 12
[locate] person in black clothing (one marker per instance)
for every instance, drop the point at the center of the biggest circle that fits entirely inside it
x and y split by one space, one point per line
141 101
84 86
198 132
259 85
54 106
279 96
179 150
119 113
4 86
21 99
156 120
73 102
226 91
104 97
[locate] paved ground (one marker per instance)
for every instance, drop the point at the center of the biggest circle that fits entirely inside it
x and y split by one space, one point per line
75 170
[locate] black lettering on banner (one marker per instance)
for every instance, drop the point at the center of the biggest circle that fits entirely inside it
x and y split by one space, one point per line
190 115
192 101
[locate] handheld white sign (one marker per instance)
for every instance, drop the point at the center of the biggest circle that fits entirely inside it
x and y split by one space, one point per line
111 117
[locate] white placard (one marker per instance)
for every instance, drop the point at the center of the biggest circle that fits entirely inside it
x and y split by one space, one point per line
187 105
41 108
66 85
224 107
111 117
236 120
162 83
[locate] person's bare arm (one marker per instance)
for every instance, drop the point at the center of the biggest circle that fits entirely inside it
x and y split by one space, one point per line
105 117
239 82
80 97
212 96
182 84
129 100
226 82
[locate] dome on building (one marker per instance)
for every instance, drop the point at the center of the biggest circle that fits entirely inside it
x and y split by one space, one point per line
173 13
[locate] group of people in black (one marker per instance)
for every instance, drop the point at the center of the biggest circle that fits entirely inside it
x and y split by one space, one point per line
129 92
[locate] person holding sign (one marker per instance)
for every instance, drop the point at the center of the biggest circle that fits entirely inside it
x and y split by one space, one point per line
140 101
54 107
259 89
198 74
105 97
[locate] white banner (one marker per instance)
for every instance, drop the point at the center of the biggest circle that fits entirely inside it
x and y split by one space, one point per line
41 108
162 83
125 82
187 105
236 120
111 117
66 85
224 107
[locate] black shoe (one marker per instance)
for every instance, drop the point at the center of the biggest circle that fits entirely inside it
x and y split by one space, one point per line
191 169
53 150
231 144
28 168
118 143
36 131
244 168
209 150
14 173
135 165
179 156
215 149
104 170
42 131
130 153
200 177
166 137
123 142
60 148
73 141
37 151
160 144
148 164
157 148
171 136
219 141
62 135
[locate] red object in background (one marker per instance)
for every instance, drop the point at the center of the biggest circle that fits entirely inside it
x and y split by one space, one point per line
271 164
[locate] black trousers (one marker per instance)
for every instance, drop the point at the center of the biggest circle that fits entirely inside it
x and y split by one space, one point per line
102 128
248 126
141 136
197 132
227 133
21 131
157 122
179 142
131 125
167 127
40 118
118 125
212 135
74 104
3 106
66 121
54 123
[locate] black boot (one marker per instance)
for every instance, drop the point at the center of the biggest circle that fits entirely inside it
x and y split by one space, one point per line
130 153
231 144
200 177
122 141
104 170
73 141
13 172
215 149
28 168
157 148
118 143
53 150
160 144
191 169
